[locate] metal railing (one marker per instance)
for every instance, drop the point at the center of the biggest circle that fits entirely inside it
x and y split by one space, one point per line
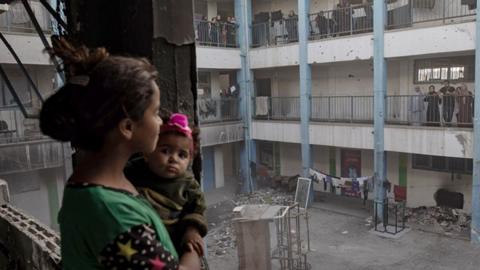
30 155
276 108
341 21
342 109
212 110
431 110
404 13
216 34
359 19
274 33
16 19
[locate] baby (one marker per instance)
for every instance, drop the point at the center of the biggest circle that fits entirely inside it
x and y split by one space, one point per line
163 178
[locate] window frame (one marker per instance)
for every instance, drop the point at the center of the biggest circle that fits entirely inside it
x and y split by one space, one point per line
450 164
467 62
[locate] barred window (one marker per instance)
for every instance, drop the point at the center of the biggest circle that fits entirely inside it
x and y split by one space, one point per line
460 68
442 164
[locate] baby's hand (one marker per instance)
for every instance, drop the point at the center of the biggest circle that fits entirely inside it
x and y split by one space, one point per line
193 238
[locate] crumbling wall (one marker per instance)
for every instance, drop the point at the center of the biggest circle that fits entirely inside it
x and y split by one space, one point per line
161 30
25 243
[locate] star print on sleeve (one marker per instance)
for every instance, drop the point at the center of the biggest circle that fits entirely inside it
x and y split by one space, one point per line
137 249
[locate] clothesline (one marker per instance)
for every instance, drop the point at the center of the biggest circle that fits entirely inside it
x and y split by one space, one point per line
336 181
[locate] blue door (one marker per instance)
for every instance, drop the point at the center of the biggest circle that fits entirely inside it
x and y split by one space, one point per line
208 164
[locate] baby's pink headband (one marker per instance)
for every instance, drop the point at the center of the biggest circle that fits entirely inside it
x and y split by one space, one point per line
177 122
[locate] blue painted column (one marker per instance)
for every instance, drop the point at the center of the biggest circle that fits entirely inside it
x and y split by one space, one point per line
243 14
380 88
475 226
305 84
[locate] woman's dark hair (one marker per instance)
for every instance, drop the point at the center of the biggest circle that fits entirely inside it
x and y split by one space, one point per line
102 90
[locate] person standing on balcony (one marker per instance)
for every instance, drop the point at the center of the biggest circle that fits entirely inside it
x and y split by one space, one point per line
291 25
344 17
448 98
416 107
109 110
231 31
322 24
465 106
203 32
433 112
214 31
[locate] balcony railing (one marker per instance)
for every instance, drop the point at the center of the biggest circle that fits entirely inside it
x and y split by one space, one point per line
30 155
216 34
16 19
431 110
277 108
212 110
359 19
278 32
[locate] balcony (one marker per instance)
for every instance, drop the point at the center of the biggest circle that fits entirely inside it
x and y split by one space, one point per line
416 110
277 108
16 19
358 19
216 34
27 155
217 110
23 147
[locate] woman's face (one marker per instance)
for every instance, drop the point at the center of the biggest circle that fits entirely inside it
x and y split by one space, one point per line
145 133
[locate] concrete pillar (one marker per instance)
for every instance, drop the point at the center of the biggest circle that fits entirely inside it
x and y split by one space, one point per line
380 88
305 84
243 13
4 193
475 226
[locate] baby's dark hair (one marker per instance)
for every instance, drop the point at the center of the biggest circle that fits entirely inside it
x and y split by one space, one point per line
195 134
111 88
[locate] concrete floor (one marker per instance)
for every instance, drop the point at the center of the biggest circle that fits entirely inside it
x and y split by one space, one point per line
340 239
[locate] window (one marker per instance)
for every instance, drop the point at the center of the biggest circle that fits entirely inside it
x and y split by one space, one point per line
442 164
461 68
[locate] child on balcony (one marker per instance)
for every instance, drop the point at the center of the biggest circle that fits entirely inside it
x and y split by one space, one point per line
163 179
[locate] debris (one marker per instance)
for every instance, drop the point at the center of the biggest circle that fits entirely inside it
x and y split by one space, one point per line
220 238
446 220
345 232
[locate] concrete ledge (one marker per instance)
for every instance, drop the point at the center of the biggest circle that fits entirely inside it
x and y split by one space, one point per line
26 243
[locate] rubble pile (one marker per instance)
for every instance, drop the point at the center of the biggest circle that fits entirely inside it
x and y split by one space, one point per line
447 220
221 237
265 196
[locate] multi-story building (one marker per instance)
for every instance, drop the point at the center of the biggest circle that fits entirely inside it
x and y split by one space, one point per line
428 138
33 165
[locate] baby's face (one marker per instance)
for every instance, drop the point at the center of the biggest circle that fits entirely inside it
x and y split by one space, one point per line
171 157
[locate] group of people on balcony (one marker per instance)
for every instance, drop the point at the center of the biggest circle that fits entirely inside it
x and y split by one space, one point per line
274 27
217 32
342 20
449 106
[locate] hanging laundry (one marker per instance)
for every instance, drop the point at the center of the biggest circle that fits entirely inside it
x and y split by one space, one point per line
261 106
362 180
355 185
